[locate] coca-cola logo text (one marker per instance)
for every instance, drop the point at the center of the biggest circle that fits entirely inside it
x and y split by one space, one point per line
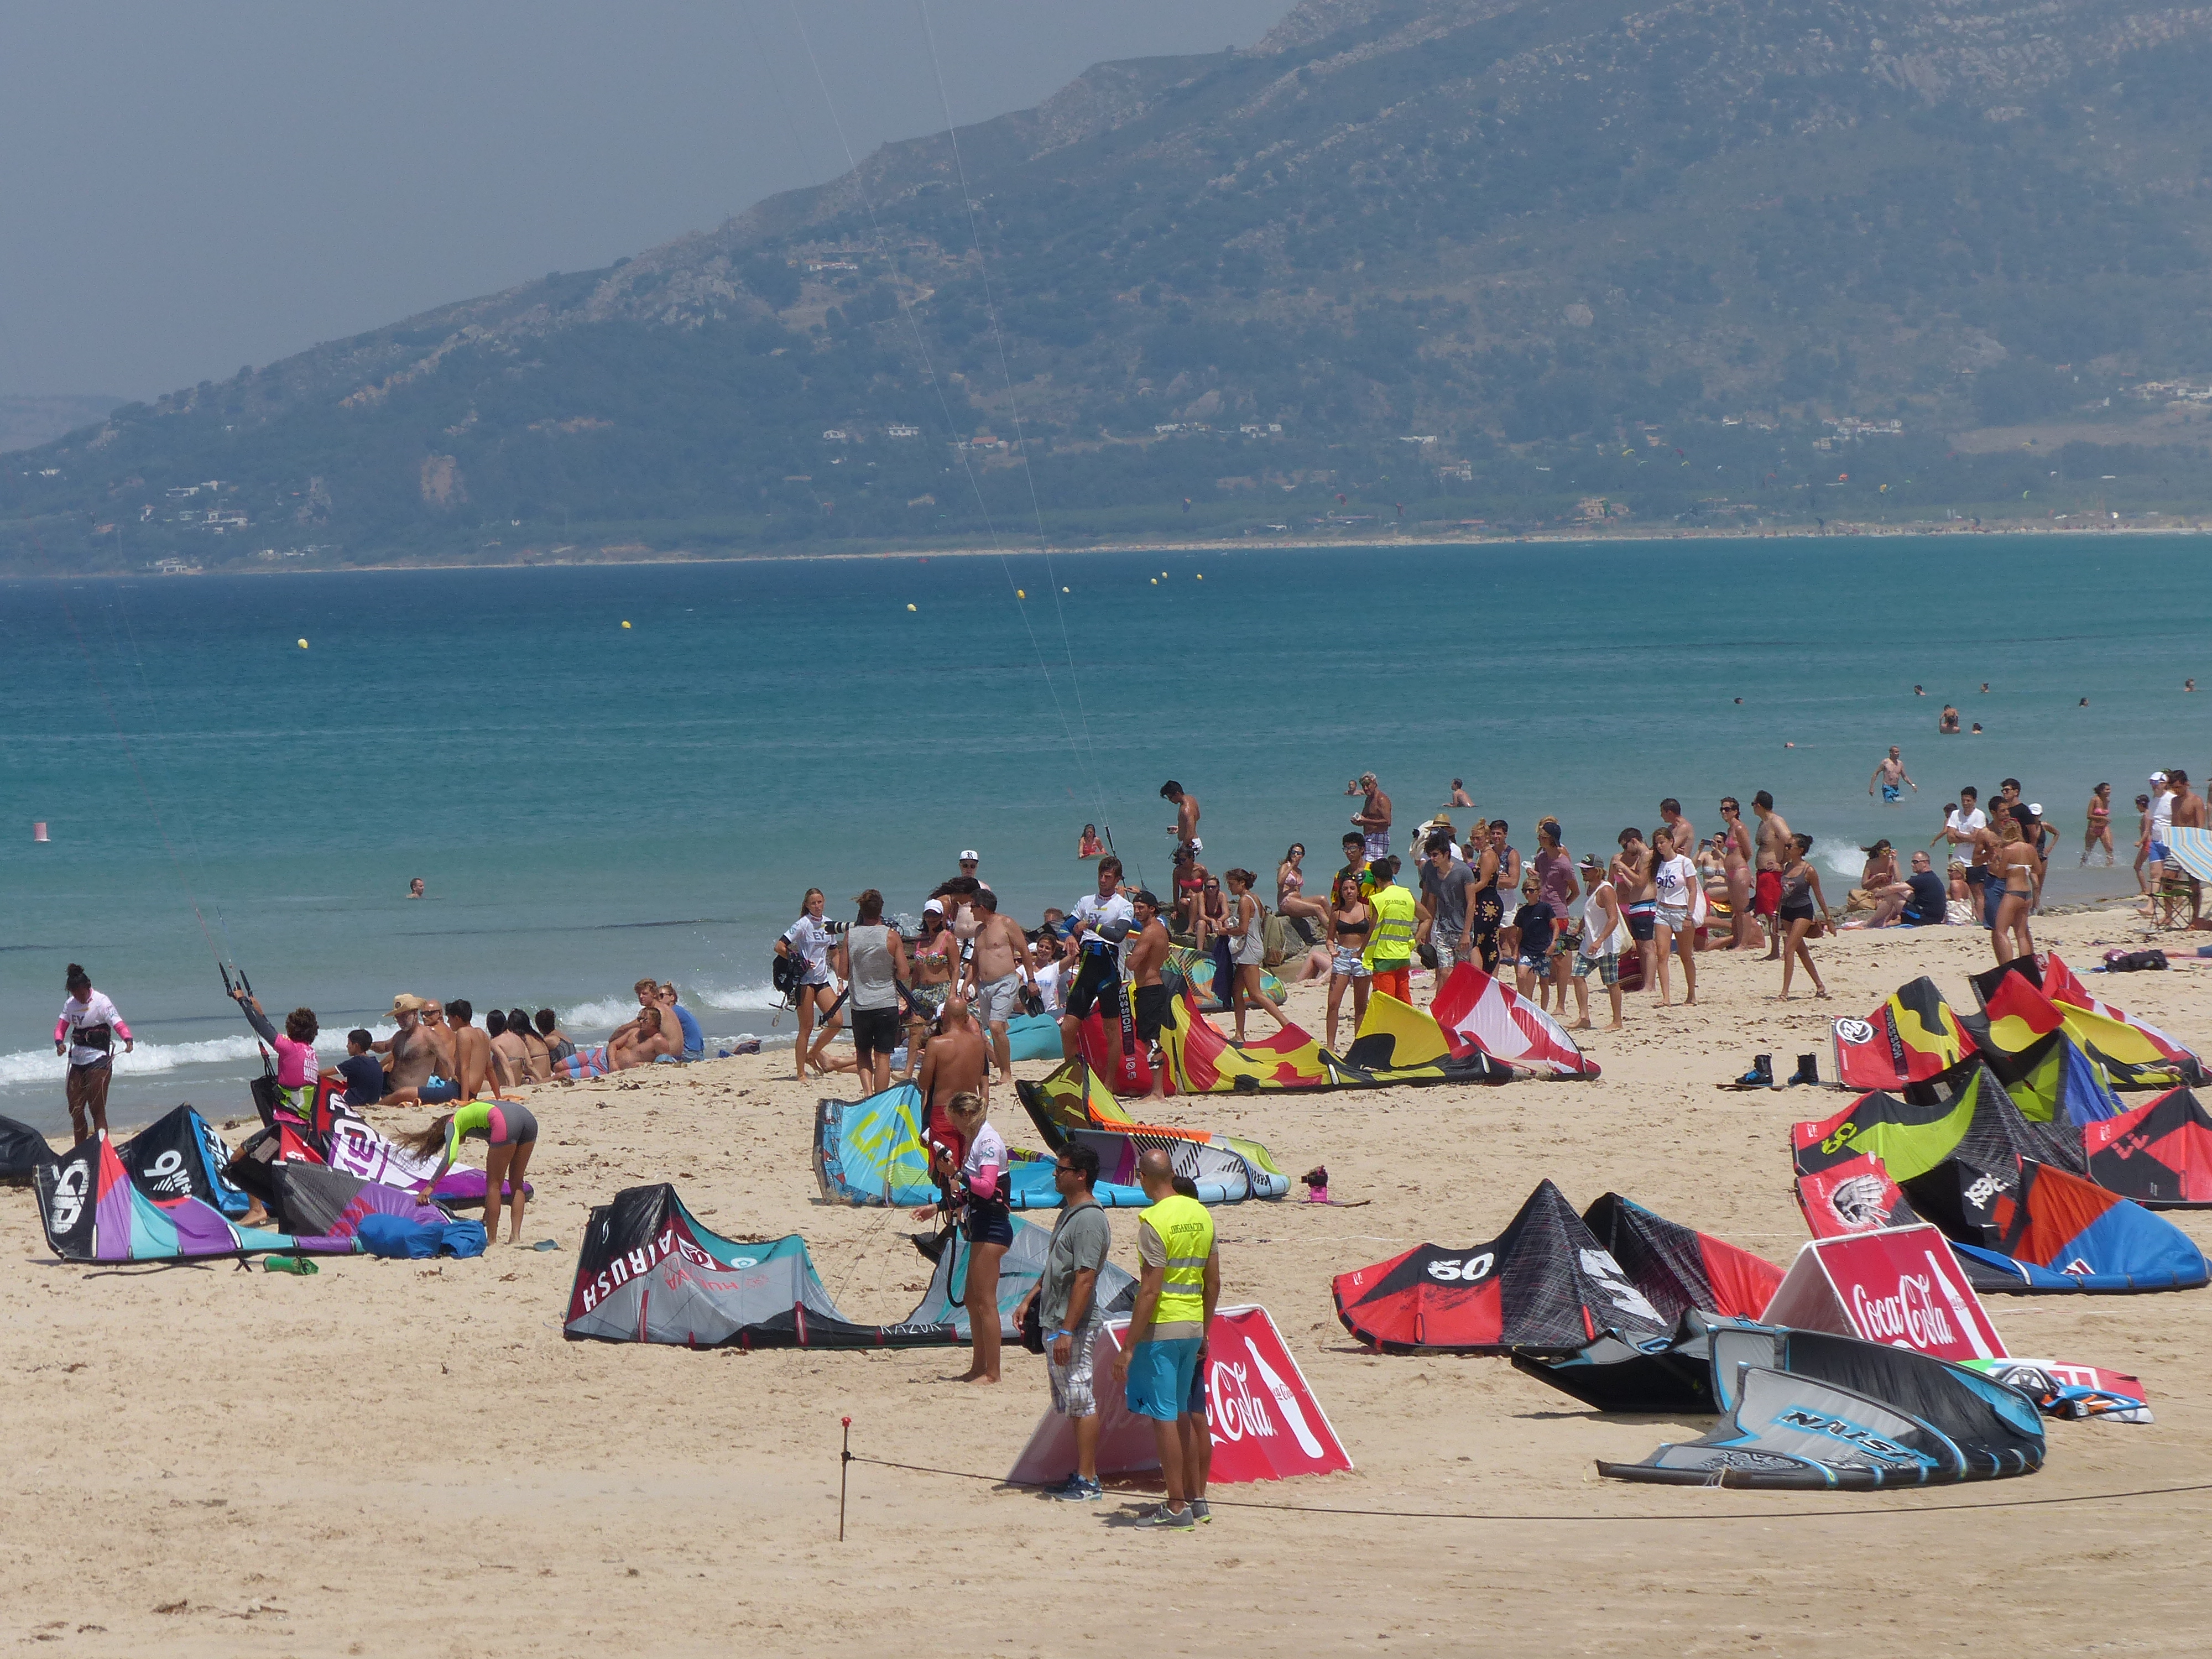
1909 1317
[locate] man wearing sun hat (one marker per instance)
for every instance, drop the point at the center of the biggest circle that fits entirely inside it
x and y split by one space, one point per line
414 1051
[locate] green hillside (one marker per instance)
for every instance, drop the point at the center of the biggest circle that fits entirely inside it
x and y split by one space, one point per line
1401 263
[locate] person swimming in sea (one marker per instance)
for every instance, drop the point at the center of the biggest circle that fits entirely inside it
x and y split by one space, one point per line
1948 726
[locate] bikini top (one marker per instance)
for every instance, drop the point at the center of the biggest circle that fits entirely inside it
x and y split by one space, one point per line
1343 926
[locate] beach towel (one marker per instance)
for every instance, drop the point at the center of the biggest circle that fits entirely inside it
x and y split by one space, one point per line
585 1062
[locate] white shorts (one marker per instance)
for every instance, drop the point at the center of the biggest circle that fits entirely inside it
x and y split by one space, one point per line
998 999
1676 916
1072 1394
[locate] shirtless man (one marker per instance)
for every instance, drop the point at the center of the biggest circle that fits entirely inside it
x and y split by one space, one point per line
2188 814
1185 823
1735 862
414 1050
1890 774
1776 852
1459 795
957 1061
643 1040
472 1062
1684 832
996 974
1145 951
1633 886
648 993
1374 818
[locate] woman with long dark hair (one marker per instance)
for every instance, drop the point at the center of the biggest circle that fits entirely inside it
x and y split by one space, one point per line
1801 891
1241 926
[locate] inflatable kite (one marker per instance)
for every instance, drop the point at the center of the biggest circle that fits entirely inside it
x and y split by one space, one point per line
869 1152
1914 1038
1678 1268
1476 1011
1072 1104
22 1150
1979 1123
2160 1154
650 1272
1546 1284
2023 1228
1398 1043
2133 1053
93 1211
1202 1060
1812 1412
2024 1038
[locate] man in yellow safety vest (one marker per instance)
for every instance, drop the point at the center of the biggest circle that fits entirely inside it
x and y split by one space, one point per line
1390 945
1161 1366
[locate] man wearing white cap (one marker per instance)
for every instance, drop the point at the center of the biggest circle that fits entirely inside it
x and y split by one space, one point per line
968 862
2161 823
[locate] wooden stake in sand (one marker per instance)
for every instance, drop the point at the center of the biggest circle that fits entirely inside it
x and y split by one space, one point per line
844 1466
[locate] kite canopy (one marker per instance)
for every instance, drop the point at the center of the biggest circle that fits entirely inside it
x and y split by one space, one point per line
2030 1230
93 1210
1661 1377
1979 1123
1481 1012
1546 1284
942 1305
325 1207
1072 1104
2024 1038
22 1150
869 1151
649 1272
2160 1154
1678 1268
1913 1038
1808 1411
2135 1054
1200 1060
1400 1043
179 1155
1854 1196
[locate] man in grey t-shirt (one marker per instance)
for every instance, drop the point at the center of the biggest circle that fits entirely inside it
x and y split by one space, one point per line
1068 1310
1447 906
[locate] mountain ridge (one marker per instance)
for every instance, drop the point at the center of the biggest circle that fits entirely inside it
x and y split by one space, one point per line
1219 292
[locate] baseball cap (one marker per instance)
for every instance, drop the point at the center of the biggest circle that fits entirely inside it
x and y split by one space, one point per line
2036 807
935 907
1144 895
404 1003
2158 777
1590 862
970 854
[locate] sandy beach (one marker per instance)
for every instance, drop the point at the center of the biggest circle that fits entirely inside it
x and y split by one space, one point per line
398 1458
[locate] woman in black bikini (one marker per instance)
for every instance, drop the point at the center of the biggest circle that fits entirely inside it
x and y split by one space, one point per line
1351 920
1801 888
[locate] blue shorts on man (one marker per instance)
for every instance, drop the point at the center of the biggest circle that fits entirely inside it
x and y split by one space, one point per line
1160 1376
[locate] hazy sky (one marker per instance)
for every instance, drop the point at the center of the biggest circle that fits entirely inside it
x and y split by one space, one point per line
187 188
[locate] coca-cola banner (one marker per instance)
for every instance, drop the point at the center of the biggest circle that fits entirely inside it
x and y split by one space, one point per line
1900 1285
1265 1421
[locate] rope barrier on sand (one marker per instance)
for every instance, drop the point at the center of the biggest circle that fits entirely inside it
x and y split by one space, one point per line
1671 1520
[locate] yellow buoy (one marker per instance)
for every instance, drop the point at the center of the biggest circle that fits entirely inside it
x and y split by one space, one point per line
625 624
909 607
1201 575
1156 581
303 645
1021 593
1164 573
1063 590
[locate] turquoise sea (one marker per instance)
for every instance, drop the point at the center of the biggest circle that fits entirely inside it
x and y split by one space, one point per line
589 802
